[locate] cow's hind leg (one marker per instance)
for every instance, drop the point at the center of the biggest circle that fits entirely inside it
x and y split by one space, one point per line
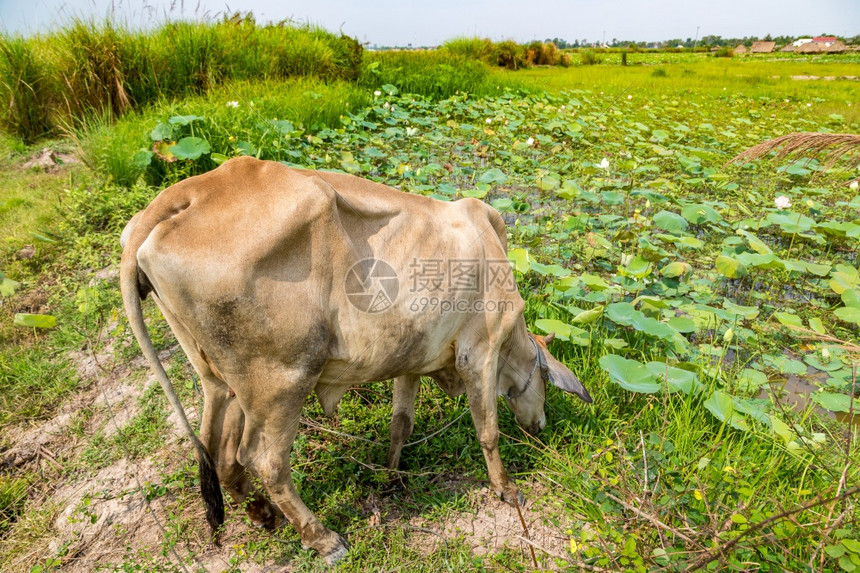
402 415
221 433
271 423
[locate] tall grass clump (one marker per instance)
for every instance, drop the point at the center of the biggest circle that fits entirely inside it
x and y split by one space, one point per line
438 74
109 148
26 89
589 58
103 67
192 57
511 55
543 54
481 49
93 60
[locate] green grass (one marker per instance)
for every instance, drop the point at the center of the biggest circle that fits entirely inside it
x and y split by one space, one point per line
34 380
700 75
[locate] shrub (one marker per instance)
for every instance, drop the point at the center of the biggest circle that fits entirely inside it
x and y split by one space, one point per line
724 52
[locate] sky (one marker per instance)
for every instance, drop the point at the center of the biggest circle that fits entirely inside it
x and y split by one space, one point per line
403 22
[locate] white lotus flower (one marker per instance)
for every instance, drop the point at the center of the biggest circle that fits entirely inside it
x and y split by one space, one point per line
809 105
410 131
377 93
782 202
489 121
854 185
386 105
604 164
629 97
530 141
232 104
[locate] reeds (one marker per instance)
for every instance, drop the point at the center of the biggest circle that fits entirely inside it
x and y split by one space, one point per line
99 68
26 89
830 147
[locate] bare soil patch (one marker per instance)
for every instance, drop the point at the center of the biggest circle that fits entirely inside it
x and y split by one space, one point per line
50 161
491 525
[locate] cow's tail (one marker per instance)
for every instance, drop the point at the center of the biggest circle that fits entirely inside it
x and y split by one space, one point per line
131 297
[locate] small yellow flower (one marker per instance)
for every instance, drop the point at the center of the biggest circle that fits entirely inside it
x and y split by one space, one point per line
698 494
573 546
729 470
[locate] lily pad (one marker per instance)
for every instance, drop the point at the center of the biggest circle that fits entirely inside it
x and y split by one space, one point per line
630 374
190 148
722 407
677 379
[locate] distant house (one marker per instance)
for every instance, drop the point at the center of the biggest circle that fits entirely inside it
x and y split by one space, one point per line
826 39
800 41
741 49
762 47
789 48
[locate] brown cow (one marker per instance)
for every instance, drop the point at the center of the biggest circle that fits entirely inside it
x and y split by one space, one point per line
280 282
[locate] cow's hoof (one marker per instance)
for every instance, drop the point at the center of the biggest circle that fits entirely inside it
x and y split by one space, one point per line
338 550
513 496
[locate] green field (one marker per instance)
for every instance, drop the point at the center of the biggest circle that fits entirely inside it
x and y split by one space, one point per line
711 309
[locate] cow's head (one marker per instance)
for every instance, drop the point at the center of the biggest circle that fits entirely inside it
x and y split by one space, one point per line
523 381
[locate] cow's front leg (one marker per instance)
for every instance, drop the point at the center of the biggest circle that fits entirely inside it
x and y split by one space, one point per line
266 446
402 415
477 367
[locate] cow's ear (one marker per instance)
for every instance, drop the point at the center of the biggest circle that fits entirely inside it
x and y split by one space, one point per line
561 376
549 338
